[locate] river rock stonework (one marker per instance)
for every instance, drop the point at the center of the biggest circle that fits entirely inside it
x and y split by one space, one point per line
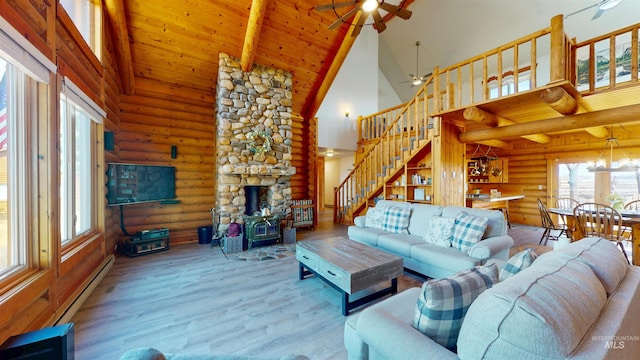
252 102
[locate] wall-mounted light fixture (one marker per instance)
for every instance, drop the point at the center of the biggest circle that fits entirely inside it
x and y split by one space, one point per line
174 151
346 114
329 152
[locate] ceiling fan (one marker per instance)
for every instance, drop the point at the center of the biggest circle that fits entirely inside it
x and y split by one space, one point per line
603 6
415 79
364 7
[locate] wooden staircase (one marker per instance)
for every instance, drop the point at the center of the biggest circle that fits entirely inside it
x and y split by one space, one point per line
404 134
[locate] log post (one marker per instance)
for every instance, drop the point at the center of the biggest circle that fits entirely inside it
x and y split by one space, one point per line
557 49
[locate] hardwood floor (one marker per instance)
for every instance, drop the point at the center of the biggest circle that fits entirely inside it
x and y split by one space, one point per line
192 300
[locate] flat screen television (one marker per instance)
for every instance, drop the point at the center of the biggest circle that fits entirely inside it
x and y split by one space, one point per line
138 183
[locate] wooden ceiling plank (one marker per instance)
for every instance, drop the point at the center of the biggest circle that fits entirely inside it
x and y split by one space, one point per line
622 115
252 36
494 143
115 11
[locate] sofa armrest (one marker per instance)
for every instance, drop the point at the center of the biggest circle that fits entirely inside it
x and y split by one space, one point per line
360 221
392 338
492 247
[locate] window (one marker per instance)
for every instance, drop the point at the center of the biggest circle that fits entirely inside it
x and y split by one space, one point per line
508 84
17 192
576 182
79 119
86 16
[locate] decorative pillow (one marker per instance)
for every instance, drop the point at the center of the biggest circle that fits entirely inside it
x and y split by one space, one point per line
374 217
443 303
517 263
396 219
467 231
440 231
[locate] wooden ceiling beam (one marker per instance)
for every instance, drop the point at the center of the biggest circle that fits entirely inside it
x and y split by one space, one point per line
115 11
252 36
622 115
477 114
331 74
561 101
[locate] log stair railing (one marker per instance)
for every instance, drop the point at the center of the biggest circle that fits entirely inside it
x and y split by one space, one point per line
406 131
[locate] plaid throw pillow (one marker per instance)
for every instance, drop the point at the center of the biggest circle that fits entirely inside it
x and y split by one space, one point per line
517 263
396 219
374 218
467 231
443 303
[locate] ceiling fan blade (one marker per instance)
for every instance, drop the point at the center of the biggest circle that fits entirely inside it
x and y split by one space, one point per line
380 25
597 14
396 10
343 19
326 7
581 10
359 24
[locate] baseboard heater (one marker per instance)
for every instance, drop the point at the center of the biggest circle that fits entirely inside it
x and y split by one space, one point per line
66 316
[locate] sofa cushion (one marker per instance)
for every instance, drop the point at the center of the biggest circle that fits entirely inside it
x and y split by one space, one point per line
440 231
603 257
421 217
365 235
448 260
544 312
399 244
467 231
396 219
443 303
375 217
517 263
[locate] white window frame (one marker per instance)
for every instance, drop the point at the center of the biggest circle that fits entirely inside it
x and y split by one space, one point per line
76 223
28 73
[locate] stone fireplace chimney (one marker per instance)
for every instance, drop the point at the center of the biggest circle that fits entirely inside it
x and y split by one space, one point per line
254 120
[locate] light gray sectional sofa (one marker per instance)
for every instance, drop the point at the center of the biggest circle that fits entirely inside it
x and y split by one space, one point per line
429 259
577 302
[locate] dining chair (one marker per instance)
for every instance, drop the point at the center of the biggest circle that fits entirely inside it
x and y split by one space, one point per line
632 205
599 220
566 203
548 225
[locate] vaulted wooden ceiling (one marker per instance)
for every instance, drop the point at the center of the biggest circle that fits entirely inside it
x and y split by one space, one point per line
177 43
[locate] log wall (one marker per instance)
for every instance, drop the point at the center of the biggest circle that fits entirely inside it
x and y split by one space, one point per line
153 120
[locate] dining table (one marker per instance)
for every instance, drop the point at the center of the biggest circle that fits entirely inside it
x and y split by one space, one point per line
630 218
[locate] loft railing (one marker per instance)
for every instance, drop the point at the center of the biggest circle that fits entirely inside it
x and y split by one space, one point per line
607 61
492 74
543 57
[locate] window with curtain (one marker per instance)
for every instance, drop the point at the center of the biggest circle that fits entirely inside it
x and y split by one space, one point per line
79 119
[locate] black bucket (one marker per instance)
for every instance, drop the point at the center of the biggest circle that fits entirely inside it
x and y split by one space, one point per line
205 233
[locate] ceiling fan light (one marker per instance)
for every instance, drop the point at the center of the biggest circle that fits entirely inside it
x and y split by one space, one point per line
417 82
609 4
370 5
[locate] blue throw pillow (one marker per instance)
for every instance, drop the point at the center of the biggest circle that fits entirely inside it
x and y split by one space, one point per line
467 231
396 219
517 263
443 303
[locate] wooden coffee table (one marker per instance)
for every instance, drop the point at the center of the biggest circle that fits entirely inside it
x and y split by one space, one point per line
349 267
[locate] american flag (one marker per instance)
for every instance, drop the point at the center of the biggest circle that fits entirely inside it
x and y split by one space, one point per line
3 112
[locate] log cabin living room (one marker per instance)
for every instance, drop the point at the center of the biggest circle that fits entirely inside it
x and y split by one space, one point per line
129 129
